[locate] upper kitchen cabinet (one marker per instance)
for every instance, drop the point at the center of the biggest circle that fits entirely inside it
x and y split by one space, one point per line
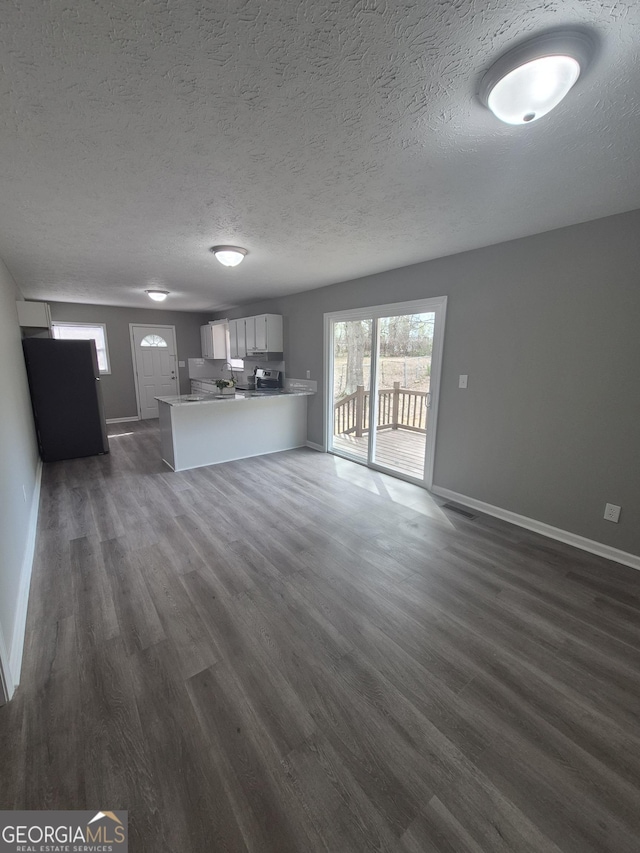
215 340
237 339
250 334
255 335
233 339
266 330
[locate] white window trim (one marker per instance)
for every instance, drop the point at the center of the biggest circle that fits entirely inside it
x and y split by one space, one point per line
103 326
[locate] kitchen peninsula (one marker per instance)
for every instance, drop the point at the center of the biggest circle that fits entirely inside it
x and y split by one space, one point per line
208 429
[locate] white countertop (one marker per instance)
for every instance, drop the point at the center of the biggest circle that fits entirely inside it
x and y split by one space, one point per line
200 399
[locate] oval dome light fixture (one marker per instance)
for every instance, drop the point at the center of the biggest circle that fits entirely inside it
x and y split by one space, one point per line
157 295
229 256
530 80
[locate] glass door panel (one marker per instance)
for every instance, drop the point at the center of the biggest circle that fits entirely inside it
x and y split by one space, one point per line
403 377
351 387
384 377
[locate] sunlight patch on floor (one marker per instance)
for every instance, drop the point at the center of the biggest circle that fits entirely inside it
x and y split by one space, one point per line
405 494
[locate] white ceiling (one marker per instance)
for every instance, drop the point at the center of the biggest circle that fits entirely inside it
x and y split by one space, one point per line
331 138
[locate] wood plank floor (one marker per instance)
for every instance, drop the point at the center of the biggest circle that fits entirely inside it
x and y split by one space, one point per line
400 450
294 653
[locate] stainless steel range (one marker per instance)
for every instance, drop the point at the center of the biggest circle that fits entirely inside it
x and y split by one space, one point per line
268 379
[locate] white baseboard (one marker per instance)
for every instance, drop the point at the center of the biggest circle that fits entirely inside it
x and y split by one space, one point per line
17 641
122 420
315 446
548 530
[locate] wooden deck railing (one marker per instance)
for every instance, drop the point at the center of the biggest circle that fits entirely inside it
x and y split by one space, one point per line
398 408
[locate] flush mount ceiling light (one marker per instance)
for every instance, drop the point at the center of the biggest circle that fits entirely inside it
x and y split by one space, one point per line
530 80
230 256
157 295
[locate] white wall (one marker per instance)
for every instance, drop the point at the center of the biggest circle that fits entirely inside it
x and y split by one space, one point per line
19 470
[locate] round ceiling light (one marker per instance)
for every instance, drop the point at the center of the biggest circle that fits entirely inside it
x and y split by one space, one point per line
530 80
229 256
157 295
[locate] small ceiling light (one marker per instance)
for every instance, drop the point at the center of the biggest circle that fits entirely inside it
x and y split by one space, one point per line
530 80
230 256
157 295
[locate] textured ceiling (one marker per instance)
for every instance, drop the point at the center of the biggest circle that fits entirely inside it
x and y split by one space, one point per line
331 138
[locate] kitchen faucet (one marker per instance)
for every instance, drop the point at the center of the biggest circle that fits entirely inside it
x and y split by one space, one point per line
226 364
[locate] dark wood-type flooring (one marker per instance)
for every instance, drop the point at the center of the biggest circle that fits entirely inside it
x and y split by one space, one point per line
294 653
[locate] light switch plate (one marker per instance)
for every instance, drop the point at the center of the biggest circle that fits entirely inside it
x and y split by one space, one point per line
182 364
463 380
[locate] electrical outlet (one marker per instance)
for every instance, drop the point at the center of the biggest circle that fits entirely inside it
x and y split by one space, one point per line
463 380
612 513
308 374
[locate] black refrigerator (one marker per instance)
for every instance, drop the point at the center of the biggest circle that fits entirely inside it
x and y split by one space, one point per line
67 398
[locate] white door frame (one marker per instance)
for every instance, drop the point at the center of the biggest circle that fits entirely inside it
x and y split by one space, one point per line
438 305
133 326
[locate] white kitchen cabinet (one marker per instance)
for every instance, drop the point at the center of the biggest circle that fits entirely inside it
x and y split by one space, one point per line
238 338
205 344
254 335
262 332
203 386
267 330
214 339
233 339
250 333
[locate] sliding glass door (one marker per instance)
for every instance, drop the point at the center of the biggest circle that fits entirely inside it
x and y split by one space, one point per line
403 377
352 386
384 367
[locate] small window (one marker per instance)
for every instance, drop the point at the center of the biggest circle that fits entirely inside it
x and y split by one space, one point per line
153 341
86 332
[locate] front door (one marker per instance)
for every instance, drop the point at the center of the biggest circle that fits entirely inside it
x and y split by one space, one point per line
154 366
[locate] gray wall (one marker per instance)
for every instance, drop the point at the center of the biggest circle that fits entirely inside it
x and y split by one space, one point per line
118 387
547 328
18 460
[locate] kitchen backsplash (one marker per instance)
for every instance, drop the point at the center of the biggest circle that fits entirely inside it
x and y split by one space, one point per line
200 368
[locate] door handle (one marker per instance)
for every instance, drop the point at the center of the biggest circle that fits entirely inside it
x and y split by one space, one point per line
428 399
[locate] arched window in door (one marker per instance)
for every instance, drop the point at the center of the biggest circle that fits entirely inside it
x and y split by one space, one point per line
153 341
